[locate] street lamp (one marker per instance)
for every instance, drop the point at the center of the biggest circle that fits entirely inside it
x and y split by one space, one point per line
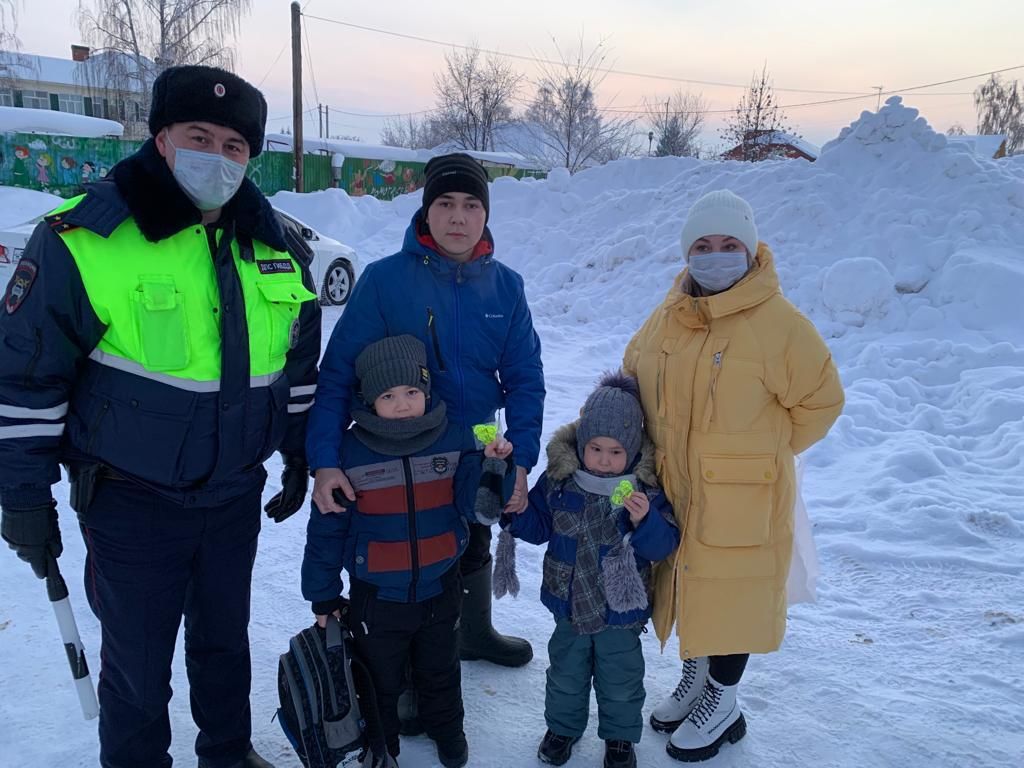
650 141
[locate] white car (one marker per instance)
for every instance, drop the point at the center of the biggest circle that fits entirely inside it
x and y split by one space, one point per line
334 264
333 268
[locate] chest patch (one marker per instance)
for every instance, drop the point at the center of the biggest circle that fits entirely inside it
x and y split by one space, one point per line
275 266
440 464
21 283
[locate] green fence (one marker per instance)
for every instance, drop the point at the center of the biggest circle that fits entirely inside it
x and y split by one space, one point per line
274 171
60 165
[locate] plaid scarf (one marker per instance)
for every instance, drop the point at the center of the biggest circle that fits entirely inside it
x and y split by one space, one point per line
594 526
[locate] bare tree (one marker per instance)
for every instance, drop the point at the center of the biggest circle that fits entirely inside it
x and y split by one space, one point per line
412 133
757 121
563 125
9 25
956 129
10 45
138 39
1001 111
677 122
474 96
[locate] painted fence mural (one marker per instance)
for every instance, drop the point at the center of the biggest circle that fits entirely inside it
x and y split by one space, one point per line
60 165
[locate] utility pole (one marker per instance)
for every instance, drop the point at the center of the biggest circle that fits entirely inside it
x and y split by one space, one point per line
327 122
297 93
878 103
320 112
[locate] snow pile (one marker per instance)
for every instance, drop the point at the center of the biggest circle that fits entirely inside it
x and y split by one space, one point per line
25 120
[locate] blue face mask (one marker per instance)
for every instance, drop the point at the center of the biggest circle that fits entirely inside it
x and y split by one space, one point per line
717 272
209 180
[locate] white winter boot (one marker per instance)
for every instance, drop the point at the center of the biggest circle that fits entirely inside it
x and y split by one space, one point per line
667 716
715 720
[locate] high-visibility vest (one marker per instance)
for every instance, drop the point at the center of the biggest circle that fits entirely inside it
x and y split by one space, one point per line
161 304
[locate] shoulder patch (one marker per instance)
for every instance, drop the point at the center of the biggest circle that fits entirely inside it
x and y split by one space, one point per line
57 224
19 286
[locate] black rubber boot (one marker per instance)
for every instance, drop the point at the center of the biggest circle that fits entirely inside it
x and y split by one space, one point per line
477 638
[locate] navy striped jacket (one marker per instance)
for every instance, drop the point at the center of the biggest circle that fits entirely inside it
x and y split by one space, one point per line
409 525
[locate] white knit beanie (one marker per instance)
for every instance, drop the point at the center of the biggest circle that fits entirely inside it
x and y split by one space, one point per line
720 213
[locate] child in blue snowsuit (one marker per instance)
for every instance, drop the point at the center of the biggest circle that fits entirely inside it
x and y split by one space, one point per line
596 568
416 489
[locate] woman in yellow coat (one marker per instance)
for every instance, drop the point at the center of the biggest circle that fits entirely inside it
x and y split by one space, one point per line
735 382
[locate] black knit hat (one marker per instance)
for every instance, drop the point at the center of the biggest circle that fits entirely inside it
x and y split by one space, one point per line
457 172
392 362
209 95
613 410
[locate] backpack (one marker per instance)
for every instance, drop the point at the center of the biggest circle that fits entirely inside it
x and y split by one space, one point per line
328 707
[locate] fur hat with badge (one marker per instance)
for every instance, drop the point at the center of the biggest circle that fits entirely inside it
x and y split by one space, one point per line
208 95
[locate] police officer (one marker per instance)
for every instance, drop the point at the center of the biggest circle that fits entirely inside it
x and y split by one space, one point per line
160 339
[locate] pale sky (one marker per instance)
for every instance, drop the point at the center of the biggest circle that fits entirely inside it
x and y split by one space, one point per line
818 46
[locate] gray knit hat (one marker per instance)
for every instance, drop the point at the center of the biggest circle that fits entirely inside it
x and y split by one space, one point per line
392 362
613 410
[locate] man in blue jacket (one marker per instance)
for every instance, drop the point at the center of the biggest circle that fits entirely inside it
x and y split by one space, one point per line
446 288
159 339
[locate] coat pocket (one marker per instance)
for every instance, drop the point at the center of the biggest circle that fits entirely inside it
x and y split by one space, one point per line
161 323
283 301
737 500
557 577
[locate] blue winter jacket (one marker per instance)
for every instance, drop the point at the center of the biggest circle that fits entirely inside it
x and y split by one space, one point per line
557 503
425 499
475 322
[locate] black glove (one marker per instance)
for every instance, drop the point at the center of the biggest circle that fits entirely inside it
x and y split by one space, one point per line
34 534
294 484
327 607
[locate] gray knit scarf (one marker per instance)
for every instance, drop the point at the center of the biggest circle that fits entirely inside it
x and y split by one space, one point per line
400 437
602 486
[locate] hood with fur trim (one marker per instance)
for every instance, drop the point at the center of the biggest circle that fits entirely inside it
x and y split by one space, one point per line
563 459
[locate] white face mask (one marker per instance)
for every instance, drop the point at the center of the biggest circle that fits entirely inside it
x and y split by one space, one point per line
209 180
718 271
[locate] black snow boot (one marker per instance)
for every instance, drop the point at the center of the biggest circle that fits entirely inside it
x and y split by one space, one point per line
453 752
409 713
477 638
619 754
555 749
251 760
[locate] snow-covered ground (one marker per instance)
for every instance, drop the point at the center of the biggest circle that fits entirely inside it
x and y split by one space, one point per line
908 255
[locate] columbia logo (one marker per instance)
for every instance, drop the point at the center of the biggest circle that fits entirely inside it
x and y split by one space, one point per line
489 316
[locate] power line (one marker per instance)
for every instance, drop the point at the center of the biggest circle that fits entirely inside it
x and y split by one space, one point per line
279 54
536 59
894 92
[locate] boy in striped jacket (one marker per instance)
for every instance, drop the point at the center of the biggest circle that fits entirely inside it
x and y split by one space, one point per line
415 496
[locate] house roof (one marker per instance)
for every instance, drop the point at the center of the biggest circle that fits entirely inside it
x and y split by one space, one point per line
50 69
982 145
781 137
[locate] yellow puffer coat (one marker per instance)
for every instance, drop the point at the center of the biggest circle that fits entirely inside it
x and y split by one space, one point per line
733 387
